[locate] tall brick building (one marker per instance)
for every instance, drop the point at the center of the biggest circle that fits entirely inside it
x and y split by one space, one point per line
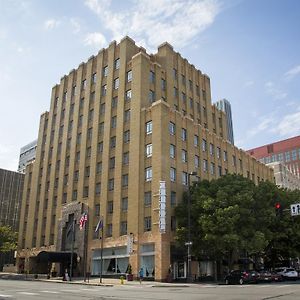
119 127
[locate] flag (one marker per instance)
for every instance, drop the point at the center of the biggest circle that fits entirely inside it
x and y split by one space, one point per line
83 220
99 225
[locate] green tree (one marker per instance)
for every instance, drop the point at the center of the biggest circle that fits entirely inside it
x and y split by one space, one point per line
8 239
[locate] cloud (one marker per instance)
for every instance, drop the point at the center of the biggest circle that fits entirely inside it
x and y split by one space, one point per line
274 91
95 39
51 24
75 25
265 124
290 125
157 21
290 74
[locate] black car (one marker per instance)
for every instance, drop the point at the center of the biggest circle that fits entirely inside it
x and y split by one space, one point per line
240 277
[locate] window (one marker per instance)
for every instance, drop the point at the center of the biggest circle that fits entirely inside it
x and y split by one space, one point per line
294 154
117 63
196 140
147 199
74 90
172 128
129 76
116 83
287 156
87 171
148 127
94 78
100 147
126 158
163 84
109 230
184 177
218 152
212 168
205 165
97 210
183 134
220 170
280 156
152 77
110 207
102 108
172 151
89 133
204 145
101 127
111 184
113 142
151 96
184 155
104 90
123 228
211 149
85 191
128 95
148 174
114 122
127 136
149 150
183 79
83 84
172 174
125 180
174 74
91 115
105 71
124 204
234 160
173 223
147 224
197 161
175 92
99 167
225 155
78 138
173 198
98 188
114 102
78 156
127 115
183 98
112 163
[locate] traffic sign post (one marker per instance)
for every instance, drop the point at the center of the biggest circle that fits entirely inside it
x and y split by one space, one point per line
295 209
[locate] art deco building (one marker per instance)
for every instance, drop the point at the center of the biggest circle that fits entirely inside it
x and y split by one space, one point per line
120 127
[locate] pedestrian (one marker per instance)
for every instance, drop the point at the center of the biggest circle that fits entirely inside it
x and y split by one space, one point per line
141 275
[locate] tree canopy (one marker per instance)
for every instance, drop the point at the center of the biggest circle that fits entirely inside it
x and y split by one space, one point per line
8 239
233 217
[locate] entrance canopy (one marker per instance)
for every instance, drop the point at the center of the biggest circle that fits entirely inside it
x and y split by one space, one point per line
51 256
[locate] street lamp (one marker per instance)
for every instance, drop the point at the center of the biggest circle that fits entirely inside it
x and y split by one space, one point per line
189 242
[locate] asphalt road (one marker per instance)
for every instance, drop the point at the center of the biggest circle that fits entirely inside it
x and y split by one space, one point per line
18 289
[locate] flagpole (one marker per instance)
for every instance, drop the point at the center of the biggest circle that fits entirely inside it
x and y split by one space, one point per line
85 249
72 249
101 252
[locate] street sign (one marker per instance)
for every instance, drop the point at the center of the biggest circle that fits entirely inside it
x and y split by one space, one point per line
295 209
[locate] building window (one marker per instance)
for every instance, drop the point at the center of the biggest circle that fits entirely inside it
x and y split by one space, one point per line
174 74
197 161
211 149
94 78
184 177
183 79
172 174
183 98
74 195
97 210
280 156
149 127
123 228
99 167
128 95
124 204
172 151
127 115
126 158
204 145
147 199
287 156
87 171
112 163
77 156
173 198
98 188
111 184
127 136
234 160
196 140
149 150
152 77
220 170
74 90
101 128
148 174
110 207
151 96
114 102
102 108
175 91
114 122
212 168
85 191
116 83
163 84
294 154
184 155
83 84
173 223
129 76
108 230
147 224
113 142
104 90
205 165
172 128
225 155
89 133
105 71
100 147
117 63
78 141
218 152
183 134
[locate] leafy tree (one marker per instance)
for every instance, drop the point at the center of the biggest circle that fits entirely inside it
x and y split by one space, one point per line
8 239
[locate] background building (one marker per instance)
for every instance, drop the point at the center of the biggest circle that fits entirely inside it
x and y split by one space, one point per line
27 155
11 189
225 106
122 129
286 152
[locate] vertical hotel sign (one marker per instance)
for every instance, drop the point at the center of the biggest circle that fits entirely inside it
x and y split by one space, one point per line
162 206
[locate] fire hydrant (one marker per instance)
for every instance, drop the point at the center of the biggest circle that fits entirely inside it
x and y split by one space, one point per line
122 279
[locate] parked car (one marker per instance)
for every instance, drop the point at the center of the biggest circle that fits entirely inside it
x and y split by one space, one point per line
276 277
287 273
264 276
241 277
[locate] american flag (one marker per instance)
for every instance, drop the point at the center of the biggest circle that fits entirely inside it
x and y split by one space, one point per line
83 220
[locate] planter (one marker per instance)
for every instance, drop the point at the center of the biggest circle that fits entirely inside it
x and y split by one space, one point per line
129 277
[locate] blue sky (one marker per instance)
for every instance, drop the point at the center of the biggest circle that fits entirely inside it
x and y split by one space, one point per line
250 49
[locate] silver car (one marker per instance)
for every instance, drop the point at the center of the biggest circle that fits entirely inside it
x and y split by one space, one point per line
287 273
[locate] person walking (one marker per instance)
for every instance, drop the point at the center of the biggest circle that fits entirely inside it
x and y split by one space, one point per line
141 275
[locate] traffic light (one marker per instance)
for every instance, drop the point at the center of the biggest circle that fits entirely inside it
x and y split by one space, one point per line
278 209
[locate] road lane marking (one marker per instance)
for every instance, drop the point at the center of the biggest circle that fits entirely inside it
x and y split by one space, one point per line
5 296
50 292
29 294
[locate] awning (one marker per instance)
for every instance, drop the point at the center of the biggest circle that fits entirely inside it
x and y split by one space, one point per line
51 256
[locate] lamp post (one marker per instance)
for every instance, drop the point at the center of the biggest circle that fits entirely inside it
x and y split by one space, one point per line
189 242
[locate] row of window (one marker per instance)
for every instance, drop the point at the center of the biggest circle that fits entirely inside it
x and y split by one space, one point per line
282 157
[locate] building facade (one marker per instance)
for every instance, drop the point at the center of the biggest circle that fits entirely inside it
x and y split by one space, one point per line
121 127
225 106
27 155
286 152
11 189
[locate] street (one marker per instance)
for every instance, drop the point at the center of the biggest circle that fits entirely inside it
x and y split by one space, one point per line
18 289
